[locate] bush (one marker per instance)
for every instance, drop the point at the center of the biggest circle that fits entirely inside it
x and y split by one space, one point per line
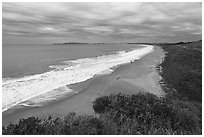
150 112
82 125
28 126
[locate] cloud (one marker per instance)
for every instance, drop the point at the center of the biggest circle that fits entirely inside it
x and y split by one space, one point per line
81 21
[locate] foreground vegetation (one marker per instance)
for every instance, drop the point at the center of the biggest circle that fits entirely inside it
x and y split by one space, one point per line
180 112
120 114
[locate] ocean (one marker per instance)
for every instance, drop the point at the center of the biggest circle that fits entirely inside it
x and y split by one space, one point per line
37 73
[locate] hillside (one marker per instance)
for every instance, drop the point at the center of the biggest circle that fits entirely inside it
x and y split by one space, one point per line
182 70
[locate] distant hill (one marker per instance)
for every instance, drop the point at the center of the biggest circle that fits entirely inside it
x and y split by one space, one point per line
67 43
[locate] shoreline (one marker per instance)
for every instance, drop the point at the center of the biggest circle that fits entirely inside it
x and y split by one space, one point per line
63 62
142 80
15 91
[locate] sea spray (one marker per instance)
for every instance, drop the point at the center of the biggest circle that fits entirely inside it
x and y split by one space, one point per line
15 91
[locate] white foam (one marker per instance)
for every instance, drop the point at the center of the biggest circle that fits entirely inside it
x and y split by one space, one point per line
46 97
108 71
19 90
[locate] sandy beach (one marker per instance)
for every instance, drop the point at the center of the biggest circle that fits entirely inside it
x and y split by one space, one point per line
135 77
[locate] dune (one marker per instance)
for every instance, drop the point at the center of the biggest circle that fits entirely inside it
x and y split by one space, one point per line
138 76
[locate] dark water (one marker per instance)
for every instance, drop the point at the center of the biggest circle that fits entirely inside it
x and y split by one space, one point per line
23 60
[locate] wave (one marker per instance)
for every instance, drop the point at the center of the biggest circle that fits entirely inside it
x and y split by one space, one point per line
46 97
40 87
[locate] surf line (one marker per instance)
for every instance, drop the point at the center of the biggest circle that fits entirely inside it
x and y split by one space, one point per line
19 90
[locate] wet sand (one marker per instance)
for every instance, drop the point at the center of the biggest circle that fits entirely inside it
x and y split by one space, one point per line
132 78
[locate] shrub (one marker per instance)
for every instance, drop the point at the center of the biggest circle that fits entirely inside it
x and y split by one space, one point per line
25 127
82 125
149 111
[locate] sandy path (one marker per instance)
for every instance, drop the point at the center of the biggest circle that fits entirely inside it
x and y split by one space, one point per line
139 76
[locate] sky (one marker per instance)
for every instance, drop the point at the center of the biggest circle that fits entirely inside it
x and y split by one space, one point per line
100 22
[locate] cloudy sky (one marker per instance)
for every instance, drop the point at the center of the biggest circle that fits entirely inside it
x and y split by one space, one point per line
101 22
